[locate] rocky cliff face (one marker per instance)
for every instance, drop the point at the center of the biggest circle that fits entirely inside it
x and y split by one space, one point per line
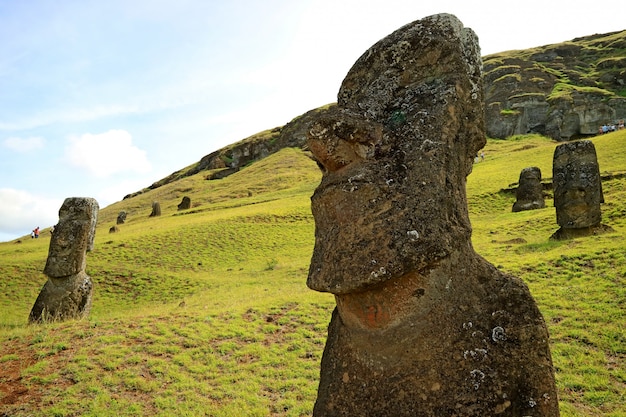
563 91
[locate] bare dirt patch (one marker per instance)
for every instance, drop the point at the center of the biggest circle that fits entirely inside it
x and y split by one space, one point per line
13 390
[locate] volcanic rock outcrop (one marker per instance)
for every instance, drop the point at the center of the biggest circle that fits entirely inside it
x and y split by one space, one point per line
529 193
68 292
577 190
564 91
423 325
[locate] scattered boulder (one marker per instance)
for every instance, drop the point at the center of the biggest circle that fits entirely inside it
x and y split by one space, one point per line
156 209
68 292
529 193
577 190
114 229
185 203
121 217
423 325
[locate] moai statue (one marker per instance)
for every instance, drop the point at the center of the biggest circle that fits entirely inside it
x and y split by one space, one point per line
423 325
577 190
185 203
121 217
156 209
67 293
529 194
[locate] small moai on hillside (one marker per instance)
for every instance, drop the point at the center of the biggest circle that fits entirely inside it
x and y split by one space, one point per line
156 209
185 203
577 190
529 193
67 294
121 217
423 325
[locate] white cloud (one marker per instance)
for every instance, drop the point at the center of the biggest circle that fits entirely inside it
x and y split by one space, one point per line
24 144
21 212
107 153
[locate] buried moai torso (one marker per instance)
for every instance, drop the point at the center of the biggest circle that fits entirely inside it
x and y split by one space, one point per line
577 190
423 325
68 291
529 193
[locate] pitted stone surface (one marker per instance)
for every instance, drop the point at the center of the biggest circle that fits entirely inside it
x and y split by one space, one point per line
577 190
423 325
73 236
68 292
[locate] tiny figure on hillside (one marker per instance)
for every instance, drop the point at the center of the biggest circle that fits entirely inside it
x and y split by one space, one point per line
35 233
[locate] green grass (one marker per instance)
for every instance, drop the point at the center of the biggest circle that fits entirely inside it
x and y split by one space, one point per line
206 311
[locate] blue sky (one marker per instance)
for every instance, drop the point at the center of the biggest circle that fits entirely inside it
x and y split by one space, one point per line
103 98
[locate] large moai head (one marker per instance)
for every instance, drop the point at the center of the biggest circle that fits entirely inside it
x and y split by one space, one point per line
68 291
423 325
121 217
395 153
156 209
73 236
577 185
529 193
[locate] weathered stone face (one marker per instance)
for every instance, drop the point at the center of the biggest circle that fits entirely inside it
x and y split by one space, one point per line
392 197
156 209
529 193
577 185
423 325
185 203
68 292
121 217
73 236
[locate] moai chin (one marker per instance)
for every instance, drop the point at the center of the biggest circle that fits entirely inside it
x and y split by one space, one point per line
423 325
577 190
529 193
68 292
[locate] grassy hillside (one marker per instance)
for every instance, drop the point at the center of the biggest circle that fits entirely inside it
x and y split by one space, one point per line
205 311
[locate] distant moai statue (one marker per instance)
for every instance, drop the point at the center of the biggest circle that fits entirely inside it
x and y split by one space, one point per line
529 193
423 325
577 190
156 209
121 217
114 229
68 292
185 203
